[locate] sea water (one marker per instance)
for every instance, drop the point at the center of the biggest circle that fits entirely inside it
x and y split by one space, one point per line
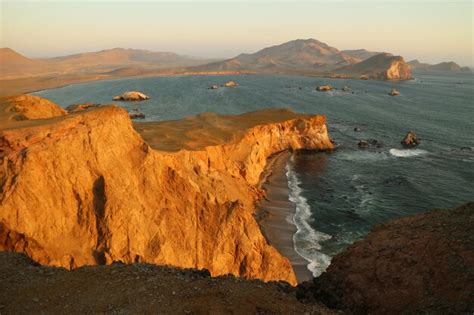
339 196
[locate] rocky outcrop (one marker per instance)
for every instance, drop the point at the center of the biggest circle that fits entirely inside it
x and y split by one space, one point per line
418 264
26 107
411 140
230 84
394 92
131 96
87 189
324 88
379 67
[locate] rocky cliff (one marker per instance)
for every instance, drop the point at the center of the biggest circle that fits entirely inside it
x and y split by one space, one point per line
379 67
413 265
85 189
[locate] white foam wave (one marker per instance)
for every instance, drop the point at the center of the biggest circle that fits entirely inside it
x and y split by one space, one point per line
306 240
407 152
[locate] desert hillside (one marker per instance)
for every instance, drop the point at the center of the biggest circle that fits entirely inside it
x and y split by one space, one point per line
15 65
312 57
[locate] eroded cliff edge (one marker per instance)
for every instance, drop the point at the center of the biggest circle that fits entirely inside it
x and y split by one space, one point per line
85 188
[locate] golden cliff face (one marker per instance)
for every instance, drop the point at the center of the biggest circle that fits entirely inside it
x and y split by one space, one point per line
398 70
86 189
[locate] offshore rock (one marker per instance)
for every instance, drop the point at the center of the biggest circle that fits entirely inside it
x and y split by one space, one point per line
131 96
411 140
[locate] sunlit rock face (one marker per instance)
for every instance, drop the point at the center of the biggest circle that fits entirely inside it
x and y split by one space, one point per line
86 188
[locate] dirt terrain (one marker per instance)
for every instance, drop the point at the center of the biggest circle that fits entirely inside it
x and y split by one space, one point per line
27 288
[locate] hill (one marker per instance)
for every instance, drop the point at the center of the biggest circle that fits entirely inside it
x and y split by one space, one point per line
310 56
383 66
13 63
300 55
449 66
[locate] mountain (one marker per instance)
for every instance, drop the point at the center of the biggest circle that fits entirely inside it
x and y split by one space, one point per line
310 56
11 61
449 66
383 66
297 55
360 54
121 56
14 63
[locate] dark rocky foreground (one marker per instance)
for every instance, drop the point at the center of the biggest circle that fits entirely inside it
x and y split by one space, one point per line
418 264
27 288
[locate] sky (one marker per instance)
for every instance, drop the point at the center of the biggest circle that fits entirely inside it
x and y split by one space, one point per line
431 31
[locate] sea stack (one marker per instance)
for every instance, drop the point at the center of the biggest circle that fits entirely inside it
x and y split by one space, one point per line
131 96
410 140
324 88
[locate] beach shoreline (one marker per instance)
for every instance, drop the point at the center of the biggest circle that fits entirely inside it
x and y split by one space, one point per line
275 214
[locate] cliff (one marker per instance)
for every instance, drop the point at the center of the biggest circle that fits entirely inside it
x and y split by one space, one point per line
379 67
417 264
85 188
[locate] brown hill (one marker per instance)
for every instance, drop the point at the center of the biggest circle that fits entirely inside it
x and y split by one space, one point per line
450 66
383 66
297 55
360 54
13 63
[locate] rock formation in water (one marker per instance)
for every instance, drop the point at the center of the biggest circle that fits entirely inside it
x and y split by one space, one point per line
230 84
417 264
394 92
131 96
86 189
411 140
324 88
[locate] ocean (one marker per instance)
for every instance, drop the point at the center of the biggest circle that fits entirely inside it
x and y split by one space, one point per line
337 196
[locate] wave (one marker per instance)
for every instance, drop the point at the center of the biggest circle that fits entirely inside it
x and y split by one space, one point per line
307 241
407 152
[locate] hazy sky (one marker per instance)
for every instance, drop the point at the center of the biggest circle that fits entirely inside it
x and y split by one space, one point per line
431 31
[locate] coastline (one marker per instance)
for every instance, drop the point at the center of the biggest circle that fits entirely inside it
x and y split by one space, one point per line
275 212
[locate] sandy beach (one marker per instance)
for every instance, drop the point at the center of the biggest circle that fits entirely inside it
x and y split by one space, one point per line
275 212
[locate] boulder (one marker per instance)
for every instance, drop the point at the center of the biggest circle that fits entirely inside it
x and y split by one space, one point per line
230 84
366 143
411 140
363 144
324 88
346 89
357 129
214 87
131 96
134 114
394 92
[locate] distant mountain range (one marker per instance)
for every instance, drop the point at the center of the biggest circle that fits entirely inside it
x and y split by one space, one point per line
442 66
20 74
310 56
11 62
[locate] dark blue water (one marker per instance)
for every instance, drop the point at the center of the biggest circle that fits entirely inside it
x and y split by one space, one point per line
339 196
